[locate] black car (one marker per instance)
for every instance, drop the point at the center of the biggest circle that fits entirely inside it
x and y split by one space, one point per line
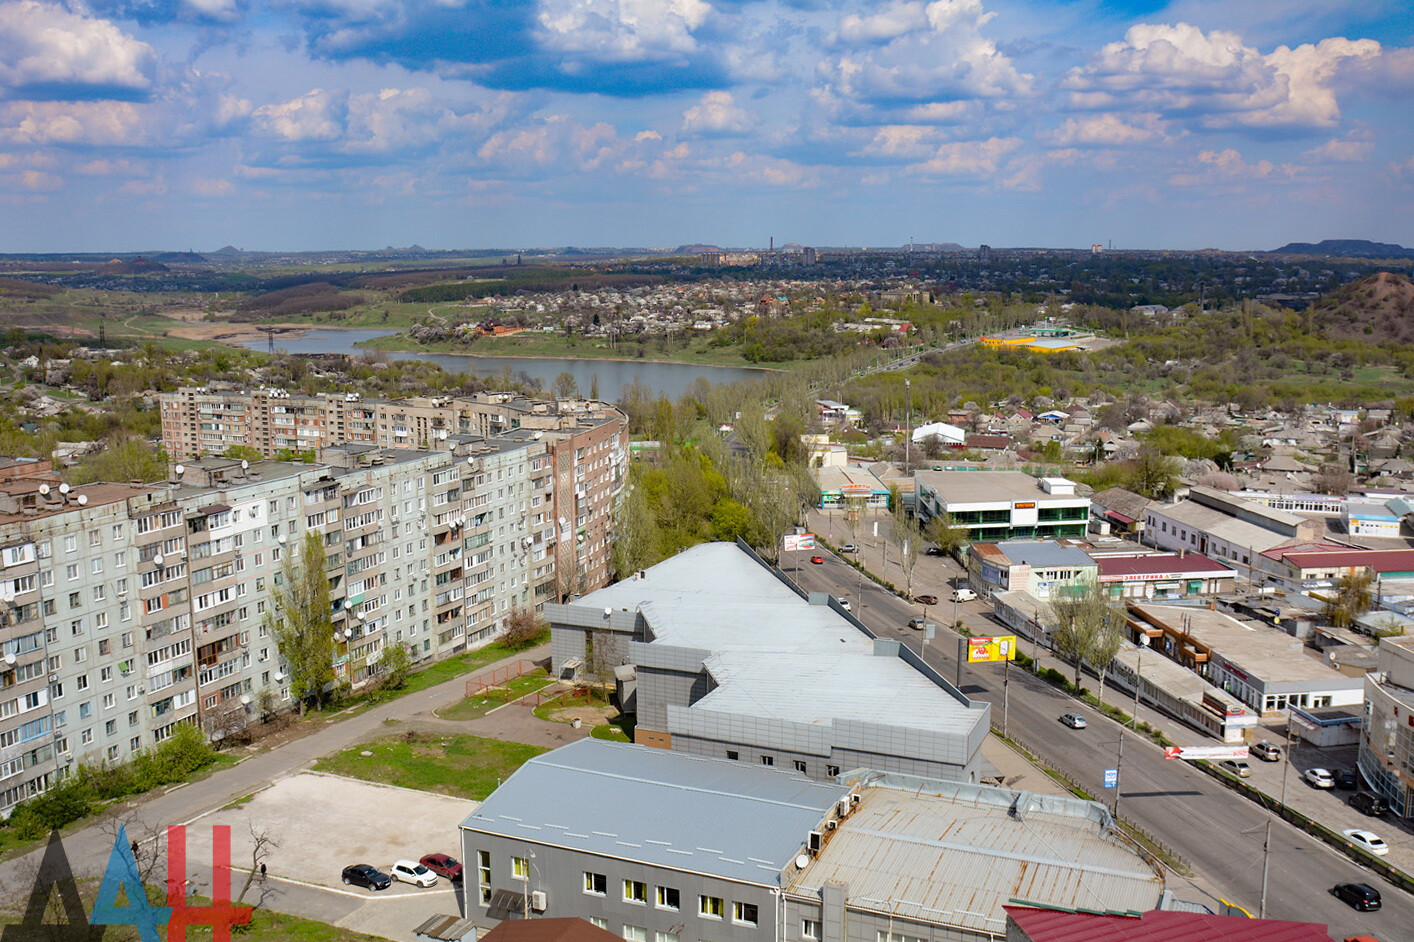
1346 778
365 876
933 551
1363 897
1369 803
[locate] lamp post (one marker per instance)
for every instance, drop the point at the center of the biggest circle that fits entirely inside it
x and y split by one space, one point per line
908 426
1138 678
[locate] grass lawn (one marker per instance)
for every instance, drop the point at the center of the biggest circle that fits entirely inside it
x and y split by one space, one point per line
478 706
461 766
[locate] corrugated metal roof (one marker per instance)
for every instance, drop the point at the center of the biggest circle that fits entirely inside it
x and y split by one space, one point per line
1046 925
1044 554
1376 560
1160 564
957 854
662 808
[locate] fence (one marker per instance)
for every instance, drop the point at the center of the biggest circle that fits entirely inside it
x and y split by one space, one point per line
568 697
498 677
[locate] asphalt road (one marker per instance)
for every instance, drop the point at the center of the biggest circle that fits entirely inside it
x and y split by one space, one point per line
1218 833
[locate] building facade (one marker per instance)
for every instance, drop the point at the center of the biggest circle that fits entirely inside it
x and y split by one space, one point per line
1002 505
1387 741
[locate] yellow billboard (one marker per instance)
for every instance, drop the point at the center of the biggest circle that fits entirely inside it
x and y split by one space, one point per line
1000 648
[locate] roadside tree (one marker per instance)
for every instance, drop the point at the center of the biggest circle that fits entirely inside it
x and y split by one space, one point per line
301 622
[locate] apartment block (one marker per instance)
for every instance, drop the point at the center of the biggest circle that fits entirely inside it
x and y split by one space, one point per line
126 609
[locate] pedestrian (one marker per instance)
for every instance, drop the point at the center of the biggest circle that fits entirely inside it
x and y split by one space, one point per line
262 873
134 850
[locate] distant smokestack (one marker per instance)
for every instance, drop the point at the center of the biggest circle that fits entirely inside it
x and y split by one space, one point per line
773 246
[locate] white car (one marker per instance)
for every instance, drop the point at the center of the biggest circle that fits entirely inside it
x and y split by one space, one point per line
844 604
410 871
1367 840
1318 778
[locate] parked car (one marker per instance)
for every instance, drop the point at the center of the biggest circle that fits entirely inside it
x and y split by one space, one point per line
1346 778
1362 896
926 599
1236 767
1369 803
934 551
1073 720
849 548
817 560
410 871
1367 840
1318 778
367 877
963 595
844 603
1266 751
444 865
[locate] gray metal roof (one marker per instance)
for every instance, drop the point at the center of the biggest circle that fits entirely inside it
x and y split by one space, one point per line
1044 554
663 808
953 854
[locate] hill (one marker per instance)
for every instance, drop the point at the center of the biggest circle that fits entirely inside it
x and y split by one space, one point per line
179 258
1346 248
138 266
1377 308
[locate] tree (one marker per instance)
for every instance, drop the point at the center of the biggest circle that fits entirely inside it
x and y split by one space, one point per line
261 846
301 622
946 535
524 627
394 665
1333 479
1353 596
1153 474
565 386
1089 625
125 458
636 534
909 536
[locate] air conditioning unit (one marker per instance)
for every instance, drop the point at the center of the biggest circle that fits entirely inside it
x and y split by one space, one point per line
831 825
538 901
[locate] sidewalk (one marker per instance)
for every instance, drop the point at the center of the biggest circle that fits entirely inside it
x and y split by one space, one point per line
936 575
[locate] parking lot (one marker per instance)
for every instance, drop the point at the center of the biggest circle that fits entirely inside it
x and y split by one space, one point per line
323 823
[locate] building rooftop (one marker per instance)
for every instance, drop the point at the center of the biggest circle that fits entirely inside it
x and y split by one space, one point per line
1393 560
1049 925
22 500
954 854
1168 564
976 487
1223 526
1044 554
663 808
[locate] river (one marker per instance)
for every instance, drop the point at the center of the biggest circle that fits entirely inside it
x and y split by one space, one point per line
667 379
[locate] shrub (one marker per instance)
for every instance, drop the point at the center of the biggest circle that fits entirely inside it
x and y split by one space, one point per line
62 804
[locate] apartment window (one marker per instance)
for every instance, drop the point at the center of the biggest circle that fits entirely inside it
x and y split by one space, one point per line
635 933
71 543
105 673
710 907
483 858
809 928
799 765
71 571
599 921
75 600
669 898
744 914
661 936
86 737
898 937
832 770
107 701
595 884
520 868
635 891
111 727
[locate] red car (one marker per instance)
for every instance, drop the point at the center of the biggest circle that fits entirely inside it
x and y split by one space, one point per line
817 560
444 865
926 599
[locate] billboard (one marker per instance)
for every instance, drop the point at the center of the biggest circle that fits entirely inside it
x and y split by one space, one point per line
1000 648
1205 752
799 541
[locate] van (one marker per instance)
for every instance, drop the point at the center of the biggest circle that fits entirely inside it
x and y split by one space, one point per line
963 595
1266 751
1369 803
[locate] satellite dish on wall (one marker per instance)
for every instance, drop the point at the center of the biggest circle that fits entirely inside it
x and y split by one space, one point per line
181 469
44 489
245 465
83 500
157 560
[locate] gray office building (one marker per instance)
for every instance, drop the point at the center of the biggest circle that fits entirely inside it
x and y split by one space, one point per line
658 846
720 655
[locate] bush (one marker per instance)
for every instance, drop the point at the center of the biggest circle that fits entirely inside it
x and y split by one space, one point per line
62 804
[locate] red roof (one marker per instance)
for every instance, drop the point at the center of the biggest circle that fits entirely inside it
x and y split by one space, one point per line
561 929
1048 925
1163 564
1376 560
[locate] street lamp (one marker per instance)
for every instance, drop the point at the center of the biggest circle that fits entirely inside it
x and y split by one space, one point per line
908 426
1138 678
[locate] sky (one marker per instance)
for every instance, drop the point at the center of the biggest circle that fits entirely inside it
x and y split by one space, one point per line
134 125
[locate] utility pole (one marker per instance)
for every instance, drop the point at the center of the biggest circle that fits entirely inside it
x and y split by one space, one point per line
1266 859
908 427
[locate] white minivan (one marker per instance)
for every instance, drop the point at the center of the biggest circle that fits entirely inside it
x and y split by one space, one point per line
963 595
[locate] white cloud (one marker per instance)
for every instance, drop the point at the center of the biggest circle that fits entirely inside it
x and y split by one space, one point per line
58 54
314 116
770 171
939 57
621 30
1228 166
716 113
967 158
72 123
211 186
1110 130
1214 78
1339 151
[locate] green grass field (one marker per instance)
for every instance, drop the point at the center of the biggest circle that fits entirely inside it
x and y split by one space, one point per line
460 766
478 706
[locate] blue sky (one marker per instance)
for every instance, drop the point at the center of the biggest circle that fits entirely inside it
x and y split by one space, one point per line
305 124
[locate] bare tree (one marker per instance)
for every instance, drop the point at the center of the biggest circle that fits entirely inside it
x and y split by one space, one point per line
261 846
1089 625
524 626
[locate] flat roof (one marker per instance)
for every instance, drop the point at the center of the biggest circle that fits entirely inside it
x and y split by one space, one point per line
975 487
955 854
663 808
1223 526
1268 652
96 495
1044 554
1168 564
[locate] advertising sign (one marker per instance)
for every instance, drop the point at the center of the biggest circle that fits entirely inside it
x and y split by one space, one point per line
1111 778
798 541
1000 648
1205 752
